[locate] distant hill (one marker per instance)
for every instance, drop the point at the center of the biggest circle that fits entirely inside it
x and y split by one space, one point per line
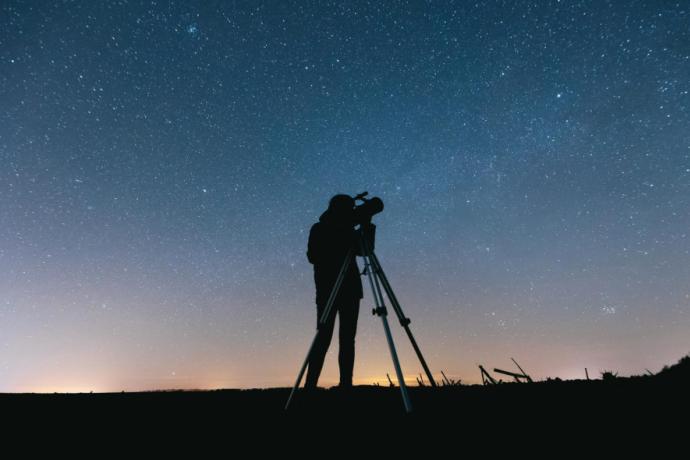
678 371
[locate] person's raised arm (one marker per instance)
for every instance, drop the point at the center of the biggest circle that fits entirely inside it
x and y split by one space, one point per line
369 231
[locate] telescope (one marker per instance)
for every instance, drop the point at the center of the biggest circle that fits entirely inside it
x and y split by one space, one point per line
364 212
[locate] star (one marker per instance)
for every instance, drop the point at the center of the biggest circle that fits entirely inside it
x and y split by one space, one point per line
192 29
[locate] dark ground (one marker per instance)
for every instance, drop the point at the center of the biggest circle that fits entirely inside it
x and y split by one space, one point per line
580 411
601 402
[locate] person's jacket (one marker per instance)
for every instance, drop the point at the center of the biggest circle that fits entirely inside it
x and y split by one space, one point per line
329 243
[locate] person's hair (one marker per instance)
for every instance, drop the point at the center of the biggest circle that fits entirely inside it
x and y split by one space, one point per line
341 202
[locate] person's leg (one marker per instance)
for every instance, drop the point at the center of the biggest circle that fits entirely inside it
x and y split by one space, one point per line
318 354
348 313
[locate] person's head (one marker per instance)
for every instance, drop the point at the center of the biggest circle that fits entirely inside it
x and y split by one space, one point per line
341 207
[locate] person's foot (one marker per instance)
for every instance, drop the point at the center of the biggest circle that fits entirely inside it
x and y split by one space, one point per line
344 387
310 389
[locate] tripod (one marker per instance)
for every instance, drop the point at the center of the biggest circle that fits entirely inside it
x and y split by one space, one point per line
377 278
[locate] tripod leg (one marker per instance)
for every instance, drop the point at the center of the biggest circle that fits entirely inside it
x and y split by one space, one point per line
381 311
323 319
405 322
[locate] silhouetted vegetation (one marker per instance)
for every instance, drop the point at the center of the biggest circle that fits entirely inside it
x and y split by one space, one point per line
607 376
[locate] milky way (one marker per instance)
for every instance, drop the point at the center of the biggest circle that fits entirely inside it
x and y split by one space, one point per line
162 164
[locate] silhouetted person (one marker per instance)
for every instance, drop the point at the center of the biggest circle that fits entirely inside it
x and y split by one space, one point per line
329 242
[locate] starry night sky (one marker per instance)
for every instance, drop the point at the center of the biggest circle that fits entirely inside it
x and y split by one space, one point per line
162 163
